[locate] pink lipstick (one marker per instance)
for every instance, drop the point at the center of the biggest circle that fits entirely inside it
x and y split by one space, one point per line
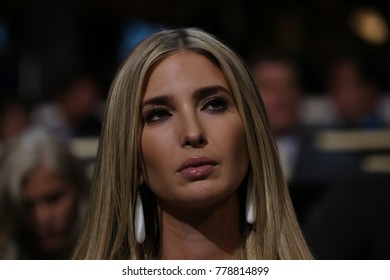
197 167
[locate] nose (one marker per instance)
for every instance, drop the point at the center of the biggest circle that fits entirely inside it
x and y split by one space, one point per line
193 134
43 215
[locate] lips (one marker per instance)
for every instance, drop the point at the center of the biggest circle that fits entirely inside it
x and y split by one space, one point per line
197 167
48 235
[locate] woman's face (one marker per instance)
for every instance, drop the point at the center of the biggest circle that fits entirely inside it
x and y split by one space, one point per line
193 140
51 208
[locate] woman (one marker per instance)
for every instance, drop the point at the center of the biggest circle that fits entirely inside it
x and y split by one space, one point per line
185 135
43 190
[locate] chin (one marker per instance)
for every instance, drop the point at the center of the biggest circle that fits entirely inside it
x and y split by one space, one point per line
203 198
53 246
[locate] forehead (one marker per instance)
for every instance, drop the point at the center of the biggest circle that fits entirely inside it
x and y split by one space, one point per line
184 70
41 182
275 69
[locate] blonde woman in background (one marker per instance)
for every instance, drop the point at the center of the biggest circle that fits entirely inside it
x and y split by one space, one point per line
43 197
186 165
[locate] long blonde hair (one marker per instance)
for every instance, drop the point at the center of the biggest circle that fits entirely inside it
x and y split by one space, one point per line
109 231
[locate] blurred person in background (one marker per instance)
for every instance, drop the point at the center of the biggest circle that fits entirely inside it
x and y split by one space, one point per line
75 111
278 78
278 81
350 220
354 87
43 192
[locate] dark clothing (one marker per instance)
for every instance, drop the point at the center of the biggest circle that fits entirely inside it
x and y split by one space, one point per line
351 220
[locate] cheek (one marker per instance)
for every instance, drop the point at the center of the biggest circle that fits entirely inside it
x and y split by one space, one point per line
240 150
67 209
235 133
232 144
157 150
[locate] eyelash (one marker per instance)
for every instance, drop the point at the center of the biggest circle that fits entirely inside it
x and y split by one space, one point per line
160 114
219 103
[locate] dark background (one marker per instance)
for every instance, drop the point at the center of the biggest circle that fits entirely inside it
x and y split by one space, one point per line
41 42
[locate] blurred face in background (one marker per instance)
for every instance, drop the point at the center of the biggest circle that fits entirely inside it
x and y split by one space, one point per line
277 82
81 100
50 209
353 97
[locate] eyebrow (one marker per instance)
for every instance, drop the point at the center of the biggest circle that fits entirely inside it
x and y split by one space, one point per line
158 100
199 94
203 92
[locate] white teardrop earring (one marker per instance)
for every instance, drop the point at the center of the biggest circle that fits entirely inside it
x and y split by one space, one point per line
139 221
250 207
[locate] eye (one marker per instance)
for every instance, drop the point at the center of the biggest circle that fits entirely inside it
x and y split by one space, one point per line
156 115
54 198
215 104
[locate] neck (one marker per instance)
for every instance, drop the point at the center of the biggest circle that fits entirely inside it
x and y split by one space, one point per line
203 233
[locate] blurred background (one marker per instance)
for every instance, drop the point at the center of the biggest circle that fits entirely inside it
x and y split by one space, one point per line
53 38
322 67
